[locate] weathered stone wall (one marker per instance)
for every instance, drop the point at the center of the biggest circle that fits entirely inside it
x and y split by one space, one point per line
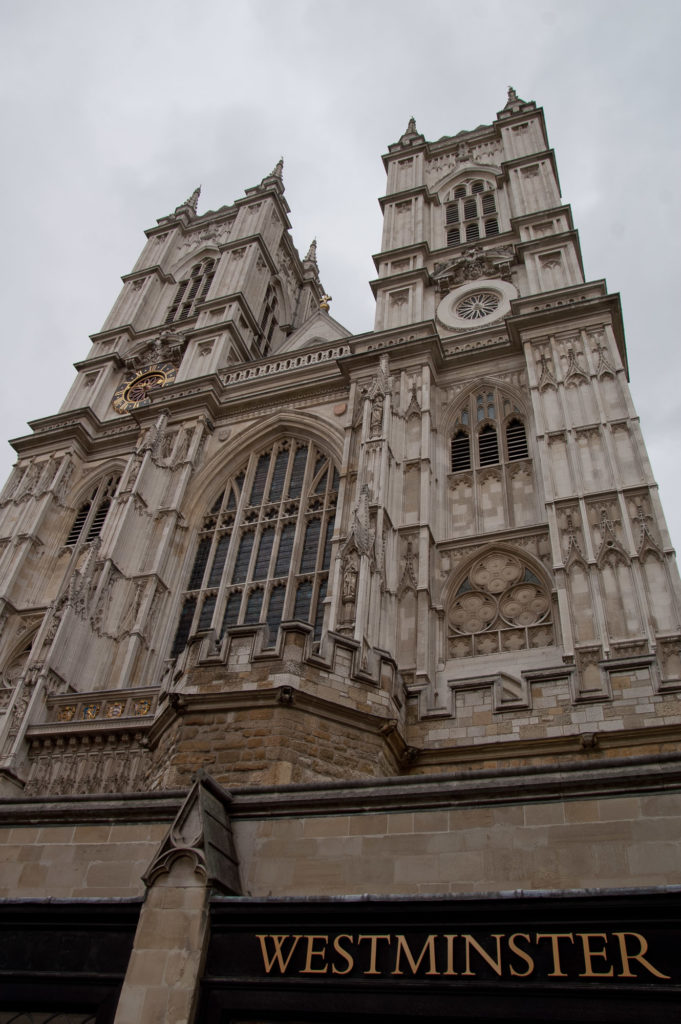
562 844
72 861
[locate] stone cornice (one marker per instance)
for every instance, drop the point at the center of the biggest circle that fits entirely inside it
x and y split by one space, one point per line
643 774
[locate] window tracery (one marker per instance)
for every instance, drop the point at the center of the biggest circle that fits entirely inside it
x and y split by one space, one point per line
264 549
192 291
501 605
467 215
90 517
479 420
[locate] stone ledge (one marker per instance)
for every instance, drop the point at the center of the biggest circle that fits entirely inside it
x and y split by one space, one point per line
636 775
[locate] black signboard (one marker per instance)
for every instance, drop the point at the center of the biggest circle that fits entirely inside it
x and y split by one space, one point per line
520 958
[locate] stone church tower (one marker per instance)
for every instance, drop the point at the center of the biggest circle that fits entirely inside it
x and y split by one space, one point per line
255 546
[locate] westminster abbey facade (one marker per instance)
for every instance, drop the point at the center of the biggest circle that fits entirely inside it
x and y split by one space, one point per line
289 614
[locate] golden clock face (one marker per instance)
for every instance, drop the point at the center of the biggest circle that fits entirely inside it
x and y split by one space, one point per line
135 391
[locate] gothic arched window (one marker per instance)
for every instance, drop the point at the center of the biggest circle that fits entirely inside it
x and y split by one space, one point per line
501 605
487 409
467 214
264 549
192 291
92 513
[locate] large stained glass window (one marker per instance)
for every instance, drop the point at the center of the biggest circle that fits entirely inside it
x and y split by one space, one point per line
264 549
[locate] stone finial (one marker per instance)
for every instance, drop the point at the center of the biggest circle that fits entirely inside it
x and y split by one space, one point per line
411 127
312 253
278 170
512 95
324 304
191 203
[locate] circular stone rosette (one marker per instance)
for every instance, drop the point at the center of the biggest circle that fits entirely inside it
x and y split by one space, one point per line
476 304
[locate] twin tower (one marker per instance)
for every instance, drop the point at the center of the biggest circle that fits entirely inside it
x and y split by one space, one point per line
254 543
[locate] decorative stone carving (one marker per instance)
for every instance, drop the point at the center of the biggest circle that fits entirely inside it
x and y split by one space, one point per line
546 376
408 579
168 346
501 605
574 375
202 833
473 264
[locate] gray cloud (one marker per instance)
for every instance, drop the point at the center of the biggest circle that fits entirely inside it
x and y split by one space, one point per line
112 112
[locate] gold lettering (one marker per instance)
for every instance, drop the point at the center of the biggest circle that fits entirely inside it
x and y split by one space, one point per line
450 953
311 951
589 953
373 939
402 946
344 953
513 946
494 964
555 936
626 956
277 955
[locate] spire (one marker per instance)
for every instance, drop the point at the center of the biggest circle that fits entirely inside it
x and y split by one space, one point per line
191 203
277 173
513 102
412 133
312 253
275 177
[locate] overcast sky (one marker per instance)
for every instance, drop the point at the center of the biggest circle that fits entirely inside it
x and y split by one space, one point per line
113 111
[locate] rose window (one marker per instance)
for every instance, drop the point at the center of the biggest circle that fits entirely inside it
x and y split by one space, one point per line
501 606
477 306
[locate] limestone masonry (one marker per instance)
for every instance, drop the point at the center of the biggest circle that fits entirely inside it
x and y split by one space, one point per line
291 613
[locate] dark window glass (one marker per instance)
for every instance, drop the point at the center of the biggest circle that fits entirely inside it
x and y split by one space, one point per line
199 567
459 191
262 562
488 204
327 545
296 484
491 226
278 476
472 232
453 236
275 611
470 208
478 186
258 488
243 558
267 532
206 616
231 616
285 550
310 545
253 607
303 600
319 617
184 625
453 213
219 560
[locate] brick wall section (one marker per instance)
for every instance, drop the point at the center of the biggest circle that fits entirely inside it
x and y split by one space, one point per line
583 843
71 861
269 745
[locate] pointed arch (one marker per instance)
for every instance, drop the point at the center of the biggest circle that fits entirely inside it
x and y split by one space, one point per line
92 503
262 552
298 424
499 601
